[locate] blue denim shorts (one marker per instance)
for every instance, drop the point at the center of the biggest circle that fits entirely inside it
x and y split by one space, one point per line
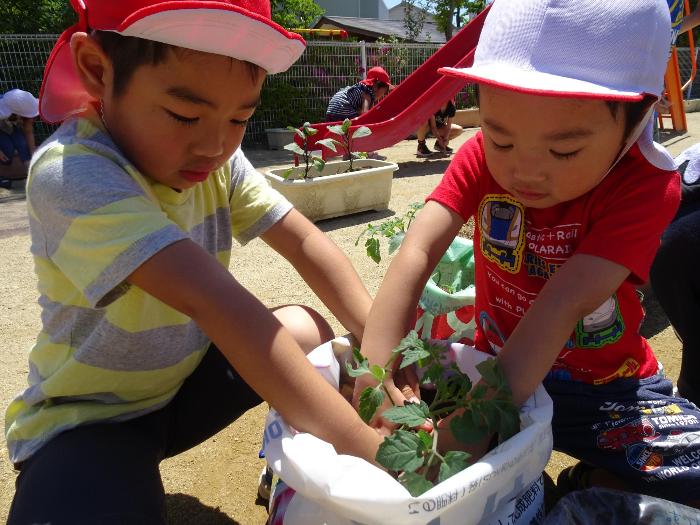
634 428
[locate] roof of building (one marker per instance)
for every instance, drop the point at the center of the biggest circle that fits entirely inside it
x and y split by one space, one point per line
374 28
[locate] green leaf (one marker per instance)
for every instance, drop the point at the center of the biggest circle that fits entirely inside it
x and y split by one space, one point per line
337 129
410 341
491 372
362 131
372 246
415 483
395 242
370 400
331 144
310 132
361 364
378 373
294 147
413 355
346 126
426 439
454 462
401 451
360 370
319 164
411 414
433 374
465 430
490 413
510 421
287 173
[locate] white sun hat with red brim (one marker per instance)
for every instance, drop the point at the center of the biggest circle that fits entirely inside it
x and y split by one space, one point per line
614 50
239 29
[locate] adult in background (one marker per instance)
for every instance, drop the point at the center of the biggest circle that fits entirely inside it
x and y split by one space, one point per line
18 109
443 129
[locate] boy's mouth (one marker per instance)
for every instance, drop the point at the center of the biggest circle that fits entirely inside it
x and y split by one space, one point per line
530 195
194 176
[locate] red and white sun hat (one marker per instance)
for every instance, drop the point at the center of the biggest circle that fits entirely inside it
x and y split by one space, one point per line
242 29
595 49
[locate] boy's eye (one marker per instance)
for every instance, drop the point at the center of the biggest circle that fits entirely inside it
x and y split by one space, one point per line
501 146
564 156
241 123
187 121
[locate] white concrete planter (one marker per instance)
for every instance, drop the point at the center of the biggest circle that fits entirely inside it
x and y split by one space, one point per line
278 138
333 193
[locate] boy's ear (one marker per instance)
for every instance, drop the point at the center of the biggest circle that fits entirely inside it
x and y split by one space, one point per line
94 68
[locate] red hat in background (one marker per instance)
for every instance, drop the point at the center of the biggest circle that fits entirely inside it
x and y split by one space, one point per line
377 73
240 29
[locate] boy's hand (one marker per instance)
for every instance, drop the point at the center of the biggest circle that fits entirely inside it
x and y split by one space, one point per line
3 157
401 388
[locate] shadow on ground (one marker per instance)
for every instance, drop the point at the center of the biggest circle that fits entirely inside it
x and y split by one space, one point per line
182 509
355 219
419 168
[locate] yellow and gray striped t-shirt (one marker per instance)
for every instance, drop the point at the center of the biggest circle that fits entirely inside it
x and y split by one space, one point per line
107 350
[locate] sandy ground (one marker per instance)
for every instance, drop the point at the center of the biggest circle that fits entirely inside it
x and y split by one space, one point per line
216 482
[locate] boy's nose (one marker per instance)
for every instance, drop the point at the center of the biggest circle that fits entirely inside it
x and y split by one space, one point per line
528 172
210 144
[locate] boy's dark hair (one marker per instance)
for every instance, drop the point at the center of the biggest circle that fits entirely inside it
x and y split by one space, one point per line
128 53
378 84
633 112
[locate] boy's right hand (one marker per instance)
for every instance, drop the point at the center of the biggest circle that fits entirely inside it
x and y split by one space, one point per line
401 388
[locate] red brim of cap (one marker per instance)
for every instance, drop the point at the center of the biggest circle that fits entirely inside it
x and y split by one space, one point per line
539 83
211 27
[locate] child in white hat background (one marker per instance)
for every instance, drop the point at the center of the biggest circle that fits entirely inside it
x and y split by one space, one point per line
133 204
570 197
18 109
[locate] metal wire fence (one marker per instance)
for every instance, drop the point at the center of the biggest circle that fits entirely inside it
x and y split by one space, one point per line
300 94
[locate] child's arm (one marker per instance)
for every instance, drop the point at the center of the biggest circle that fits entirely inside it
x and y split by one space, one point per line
188 279
394 306
578 287
324 267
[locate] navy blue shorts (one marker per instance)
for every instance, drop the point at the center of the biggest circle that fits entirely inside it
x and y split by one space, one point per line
634 428
107 473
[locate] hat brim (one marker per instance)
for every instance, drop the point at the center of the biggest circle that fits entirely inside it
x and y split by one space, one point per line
211 27
219 28
4 111
538 83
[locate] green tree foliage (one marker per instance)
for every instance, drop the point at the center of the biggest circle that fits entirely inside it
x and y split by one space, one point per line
413 19
35 16
295 13
448 14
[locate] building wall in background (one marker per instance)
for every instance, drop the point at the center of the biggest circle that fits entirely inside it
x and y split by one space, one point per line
356 8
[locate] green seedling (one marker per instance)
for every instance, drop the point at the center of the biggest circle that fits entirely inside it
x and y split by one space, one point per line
345 140
393 229
303 151
413 454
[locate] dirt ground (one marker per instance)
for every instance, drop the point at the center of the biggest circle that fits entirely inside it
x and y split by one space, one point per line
216 482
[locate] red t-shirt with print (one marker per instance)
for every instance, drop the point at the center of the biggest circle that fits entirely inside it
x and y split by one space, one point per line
516 249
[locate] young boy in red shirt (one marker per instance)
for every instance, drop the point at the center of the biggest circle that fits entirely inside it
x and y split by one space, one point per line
570 197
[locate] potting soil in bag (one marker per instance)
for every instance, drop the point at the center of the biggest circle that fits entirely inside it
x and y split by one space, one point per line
446 306
320 486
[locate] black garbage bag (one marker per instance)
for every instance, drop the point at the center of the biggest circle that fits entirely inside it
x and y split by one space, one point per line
598 506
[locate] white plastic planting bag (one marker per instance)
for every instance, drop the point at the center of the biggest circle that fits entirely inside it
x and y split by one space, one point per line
325 488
